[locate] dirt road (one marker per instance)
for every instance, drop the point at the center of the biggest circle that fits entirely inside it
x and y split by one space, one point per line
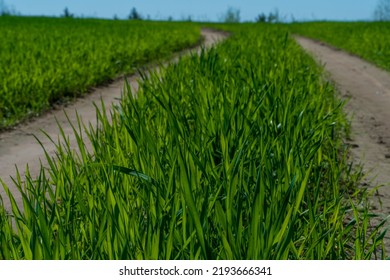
367 90
19 148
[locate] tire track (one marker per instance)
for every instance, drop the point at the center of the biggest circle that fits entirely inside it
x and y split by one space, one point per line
367 90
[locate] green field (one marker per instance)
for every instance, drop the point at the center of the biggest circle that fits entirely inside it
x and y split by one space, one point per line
44 60
233 154
369 40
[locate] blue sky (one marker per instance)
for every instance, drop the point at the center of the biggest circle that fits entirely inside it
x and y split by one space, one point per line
201 9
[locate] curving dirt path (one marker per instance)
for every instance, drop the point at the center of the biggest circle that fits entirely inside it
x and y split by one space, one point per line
19 148
367 89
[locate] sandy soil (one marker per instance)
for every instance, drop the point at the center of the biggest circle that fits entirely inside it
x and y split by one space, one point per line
367 89
19 148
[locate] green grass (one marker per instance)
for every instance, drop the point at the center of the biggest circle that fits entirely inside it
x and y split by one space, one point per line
369 40
44 60
233 154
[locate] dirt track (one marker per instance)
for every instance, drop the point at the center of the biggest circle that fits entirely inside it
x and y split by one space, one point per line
19 147
367 90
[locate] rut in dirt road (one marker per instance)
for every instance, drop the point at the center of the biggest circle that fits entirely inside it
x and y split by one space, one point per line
367 89
19 147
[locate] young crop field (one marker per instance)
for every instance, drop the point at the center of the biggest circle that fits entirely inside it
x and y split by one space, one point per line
369 40
44 60
233 154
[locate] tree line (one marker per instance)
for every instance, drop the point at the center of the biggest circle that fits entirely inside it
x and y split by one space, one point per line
381 13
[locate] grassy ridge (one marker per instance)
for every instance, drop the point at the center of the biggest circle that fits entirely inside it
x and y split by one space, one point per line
369 40
233 154
43 60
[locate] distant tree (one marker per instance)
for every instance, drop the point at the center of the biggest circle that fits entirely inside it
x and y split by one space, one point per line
293 18
5 10
271 18
134 15
261 18
67 14
232 15
382 10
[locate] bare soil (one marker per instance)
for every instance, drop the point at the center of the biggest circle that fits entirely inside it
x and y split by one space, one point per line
19 148
367 91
